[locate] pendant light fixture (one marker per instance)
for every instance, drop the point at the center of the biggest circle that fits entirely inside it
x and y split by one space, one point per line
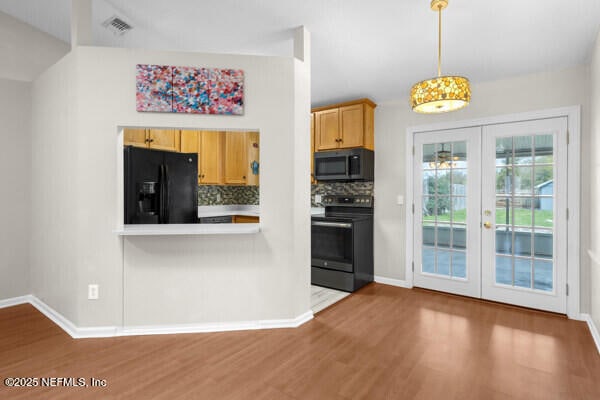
444 93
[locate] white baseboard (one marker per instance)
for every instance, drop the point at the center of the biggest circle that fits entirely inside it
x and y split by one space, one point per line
393 282
593 329
217 327
15 301
73 330
111 331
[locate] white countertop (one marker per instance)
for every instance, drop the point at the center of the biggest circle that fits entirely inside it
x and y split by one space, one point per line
187 229
237 209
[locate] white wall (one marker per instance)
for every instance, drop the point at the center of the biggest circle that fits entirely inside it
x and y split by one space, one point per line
594 215
15 190
26 51
171 280
55 235
524 93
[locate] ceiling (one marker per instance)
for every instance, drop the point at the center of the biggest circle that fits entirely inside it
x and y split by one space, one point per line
374 49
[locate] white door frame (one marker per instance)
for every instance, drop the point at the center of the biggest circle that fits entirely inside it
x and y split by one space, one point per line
573 115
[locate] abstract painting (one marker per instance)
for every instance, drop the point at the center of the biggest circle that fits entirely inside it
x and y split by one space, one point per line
154 85
226 91
190 90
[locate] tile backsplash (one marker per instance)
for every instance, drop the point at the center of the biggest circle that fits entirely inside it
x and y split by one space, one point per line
362 188
212 195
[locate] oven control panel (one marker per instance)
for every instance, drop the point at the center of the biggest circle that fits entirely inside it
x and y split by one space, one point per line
348 201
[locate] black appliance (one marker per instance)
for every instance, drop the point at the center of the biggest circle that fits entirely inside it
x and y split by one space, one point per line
344 165
342 243
161 187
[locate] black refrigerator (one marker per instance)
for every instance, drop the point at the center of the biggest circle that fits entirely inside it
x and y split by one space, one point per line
161 187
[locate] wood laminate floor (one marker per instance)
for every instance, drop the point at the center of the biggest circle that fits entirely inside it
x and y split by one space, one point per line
382 342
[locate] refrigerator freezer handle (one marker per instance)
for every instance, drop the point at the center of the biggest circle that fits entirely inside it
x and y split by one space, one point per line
161 202
166 192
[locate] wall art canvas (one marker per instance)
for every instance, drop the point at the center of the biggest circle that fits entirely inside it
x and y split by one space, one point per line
154 85
226 91
190 90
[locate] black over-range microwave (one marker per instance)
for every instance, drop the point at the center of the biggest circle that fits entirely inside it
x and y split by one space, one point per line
344 165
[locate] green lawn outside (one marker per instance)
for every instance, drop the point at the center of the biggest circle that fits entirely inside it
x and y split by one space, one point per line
543 218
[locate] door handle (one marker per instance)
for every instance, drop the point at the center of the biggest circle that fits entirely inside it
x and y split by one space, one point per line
332 224
487 225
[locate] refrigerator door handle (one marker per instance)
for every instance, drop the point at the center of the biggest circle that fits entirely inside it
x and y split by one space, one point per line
161 197
166 192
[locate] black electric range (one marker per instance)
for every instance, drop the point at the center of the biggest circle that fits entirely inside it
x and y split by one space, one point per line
342 243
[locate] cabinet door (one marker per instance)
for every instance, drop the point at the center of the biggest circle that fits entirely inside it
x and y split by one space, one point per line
164 139
327 129
352 126
236 156
253 146
312 147
211 171
135 137
189 141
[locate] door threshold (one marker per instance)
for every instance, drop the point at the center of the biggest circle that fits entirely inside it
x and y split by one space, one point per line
505 305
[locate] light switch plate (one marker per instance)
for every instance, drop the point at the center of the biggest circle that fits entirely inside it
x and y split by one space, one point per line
93 292
318 198
400 199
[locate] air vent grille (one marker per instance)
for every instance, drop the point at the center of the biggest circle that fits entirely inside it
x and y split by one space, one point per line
117 25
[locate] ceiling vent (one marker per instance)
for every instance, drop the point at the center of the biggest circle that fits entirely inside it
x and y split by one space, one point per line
117 25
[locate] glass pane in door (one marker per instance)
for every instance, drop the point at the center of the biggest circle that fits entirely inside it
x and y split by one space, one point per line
524 212
444 209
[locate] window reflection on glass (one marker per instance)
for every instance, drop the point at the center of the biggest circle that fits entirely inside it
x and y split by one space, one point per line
524 211
444 208
523 150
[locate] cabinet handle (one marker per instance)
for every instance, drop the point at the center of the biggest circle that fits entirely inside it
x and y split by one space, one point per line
244 177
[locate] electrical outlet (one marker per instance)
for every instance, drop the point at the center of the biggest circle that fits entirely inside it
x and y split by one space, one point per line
218 196
318 198
93 291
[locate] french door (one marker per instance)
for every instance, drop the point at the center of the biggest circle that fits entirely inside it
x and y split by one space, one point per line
490 212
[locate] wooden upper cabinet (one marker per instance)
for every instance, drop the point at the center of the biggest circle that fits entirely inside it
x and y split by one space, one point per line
352 126
253 151
312 148
344 125
327 129
135 137
164 139
211 159
236 157
189 141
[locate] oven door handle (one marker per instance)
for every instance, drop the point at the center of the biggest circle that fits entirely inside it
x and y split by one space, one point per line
332 224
